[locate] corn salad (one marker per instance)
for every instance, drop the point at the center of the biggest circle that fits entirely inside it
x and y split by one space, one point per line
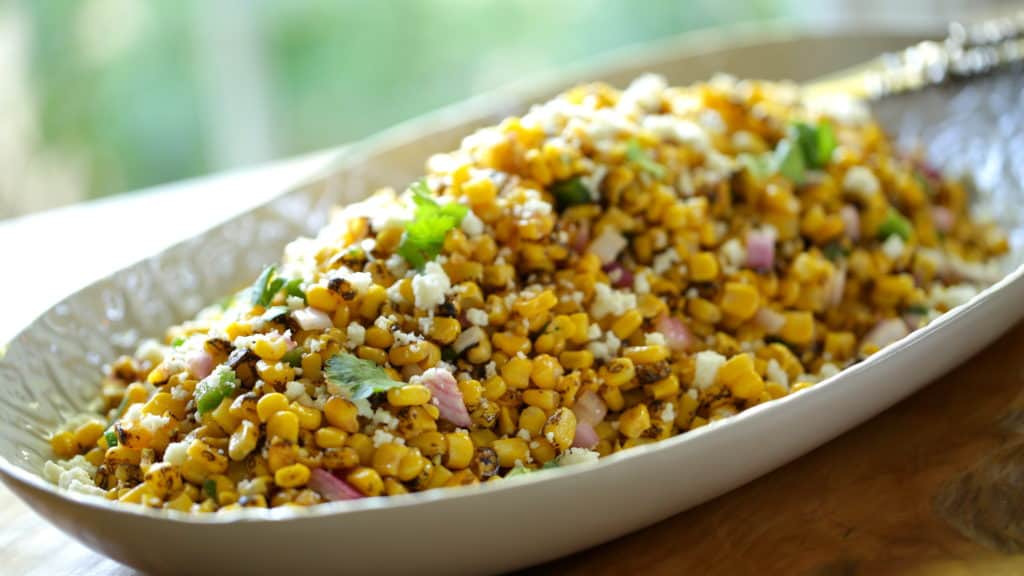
608 270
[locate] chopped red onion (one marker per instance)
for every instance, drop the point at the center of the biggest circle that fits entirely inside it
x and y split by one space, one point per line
835 287
677 336
760 250
445 394
944 219
590 408
586 436
620 276
886 332
310 318
332 488
200 364
608 245
851 221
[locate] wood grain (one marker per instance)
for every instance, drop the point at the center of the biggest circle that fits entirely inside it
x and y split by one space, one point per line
874 501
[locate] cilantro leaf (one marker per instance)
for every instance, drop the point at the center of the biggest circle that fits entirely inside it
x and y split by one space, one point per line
637 155
570 192
362 378
177 342
519 470
758 165
210 488
919 309
213 389
424 236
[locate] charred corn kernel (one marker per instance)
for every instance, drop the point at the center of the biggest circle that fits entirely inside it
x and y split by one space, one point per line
536 305
409 395
276 373
840 345
460 450
136 495
482 437
319 296
703 267
480 191
311 365
740 300
330 437
214 462
375 355
378 337
646 354
516 372
628 323
664 389
532 419
545 371
507 418
88 434
223 417
269 404
408 354
635 421
244 407
292 476
162 479
511 344
581 326
387 457
96 455
181 503
892 290
309 417
284 425
136 393
411 465
366 480
393 487
798 328
63 445
576 359
363 446
618 372
281 454
161 403
472 392
494 388
546 400
431 443
704 310
444 330
121 454
369 304
342 414
511 451
560 428
740 377
542 451
243 440
270 349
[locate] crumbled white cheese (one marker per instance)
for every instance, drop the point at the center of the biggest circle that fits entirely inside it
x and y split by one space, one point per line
952 296
405 338
295 303
668 413
426 324
594 332
472 225
524 434
577 456
430 287
664 261
644 93
776 374
176 453
356 334
381 437
152 422
734 255
293 390
654 339
707 364
360 281
861 181
363 407
893 247
477 317
385 418
314 344
641 285
490 370
828 370
608 301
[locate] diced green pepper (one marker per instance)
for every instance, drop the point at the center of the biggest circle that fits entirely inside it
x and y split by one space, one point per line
894 223
212 390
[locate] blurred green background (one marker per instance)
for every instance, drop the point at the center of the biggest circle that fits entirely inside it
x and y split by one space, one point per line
99 97
105 96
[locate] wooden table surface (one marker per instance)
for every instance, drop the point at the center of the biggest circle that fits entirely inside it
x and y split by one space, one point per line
881 499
